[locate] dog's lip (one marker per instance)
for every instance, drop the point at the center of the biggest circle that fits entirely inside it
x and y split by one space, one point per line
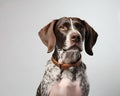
74 46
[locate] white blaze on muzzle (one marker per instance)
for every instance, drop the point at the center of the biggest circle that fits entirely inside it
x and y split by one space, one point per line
72 30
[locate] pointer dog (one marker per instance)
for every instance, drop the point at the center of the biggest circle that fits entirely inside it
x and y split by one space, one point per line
65 73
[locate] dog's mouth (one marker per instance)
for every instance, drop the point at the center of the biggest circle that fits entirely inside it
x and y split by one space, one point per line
73 47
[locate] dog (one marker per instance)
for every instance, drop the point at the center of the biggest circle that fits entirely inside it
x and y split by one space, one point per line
65 73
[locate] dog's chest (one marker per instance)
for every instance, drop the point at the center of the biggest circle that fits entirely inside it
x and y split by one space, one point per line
54 73
66 87
69 81
66 83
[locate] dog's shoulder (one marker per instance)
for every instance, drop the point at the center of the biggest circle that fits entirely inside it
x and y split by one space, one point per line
49 77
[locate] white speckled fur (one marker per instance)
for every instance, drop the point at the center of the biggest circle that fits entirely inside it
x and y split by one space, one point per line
51 78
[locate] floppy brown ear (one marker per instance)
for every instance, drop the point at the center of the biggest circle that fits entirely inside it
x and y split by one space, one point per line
90 38
47 36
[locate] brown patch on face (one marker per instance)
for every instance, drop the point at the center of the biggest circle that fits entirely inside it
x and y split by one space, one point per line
55 33
62 28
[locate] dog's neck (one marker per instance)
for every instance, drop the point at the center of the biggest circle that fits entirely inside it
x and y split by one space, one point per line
65 66
55 55
70 57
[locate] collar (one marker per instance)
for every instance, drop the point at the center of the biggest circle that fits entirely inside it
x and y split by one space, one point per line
64 66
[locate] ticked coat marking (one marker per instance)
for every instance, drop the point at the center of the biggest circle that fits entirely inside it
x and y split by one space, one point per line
65 73
51 79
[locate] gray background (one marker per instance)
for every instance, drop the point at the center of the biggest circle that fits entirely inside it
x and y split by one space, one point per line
23 56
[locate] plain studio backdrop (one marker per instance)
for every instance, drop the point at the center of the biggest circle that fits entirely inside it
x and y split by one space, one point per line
23 56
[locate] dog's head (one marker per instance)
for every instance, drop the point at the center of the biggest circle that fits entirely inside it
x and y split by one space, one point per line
68 33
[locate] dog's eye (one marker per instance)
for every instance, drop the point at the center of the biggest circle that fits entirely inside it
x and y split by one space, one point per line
78 26
63 28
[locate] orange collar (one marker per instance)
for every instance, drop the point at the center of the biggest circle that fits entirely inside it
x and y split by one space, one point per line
64 66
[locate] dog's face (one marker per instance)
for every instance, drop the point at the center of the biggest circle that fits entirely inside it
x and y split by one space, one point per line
67 35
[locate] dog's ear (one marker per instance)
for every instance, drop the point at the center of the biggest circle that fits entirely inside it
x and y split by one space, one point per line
90 38
47 36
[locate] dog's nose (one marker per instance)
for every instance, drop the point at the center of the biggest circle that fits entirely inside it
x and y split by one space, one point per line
75 37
